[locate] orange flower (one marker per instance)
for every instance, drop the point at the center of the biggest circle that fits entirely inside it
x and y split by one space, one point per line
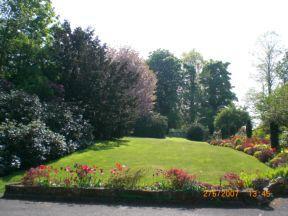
119 166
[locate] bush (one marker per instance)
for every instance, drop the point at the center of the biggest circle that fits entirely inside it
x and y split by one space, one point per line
177 133
229 120
152 125
239 148
264 155
234 181
123 178
179 179
20 107
23 146
284 140
69 122
197 132
280 159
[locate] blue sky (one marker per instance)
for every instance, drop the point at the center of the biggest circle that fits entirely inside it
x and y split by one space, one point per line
220 29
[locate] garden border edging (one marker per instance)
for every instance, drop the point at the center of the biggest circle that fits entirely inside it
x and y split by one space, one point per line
18 191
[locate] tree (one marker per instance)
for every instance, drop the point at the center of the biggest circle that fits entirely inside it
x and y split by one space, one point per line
269 51
192 65
249 128
25 32
229 120
109 86
216 91
167 69
282 69
194 58
145 88
189 93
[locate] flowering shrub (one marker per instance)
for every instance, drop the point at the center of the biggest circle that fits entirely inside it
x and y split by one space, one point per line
258 147
234 181
239 148
30 144
179 179
280 159
78 176
123 178
264 155
37 176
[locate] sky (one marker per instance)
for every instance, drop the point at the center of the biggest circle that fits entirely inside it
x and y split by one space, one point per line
225 30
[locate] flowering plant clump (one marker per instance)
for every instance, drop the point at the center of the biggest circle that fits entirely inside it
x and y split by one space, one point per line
178 179
280 159
234 181
121 177
79 176
40 175
257 147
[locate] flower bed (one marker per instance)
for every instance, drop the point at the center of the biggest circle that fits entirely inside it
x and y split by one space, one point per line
86 183
259 148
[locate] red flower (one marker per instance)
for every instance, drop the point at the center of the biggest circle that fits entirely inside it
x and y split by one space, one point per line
42 167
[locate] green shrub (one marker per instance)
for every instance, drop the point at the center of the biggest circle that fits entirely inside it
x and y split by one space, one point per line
23 146
284 140
68 121
177 132
20 107
197 132
152 125
230 119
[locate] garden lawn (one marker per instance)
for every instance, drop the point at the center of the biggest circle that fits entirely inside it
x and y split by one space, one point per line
207 162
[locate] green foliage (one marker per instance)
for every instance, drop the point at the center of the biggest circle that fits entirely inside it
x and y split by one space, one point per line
20 107
124 178
105 85
167 69
152 125
197 132
284 139
249 130
217 91
23 146
25 29
282 69
229 120
68 121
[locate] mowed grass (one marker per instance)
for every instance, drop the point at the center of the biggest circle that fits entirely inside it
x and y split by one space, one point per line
207 162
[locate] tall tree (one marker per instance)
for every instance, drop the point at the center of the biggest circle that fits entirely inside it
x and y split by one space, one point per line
146 87
282 69
25 30
167 69
269 51
216 91
108 85
192 65
193 58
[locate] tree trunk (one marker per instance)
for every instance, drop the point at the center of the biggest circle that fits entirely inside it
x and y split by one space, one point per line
274 135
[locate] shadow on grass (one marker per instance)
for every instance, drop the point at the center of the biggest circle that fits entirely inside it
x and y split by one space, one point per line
106 145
